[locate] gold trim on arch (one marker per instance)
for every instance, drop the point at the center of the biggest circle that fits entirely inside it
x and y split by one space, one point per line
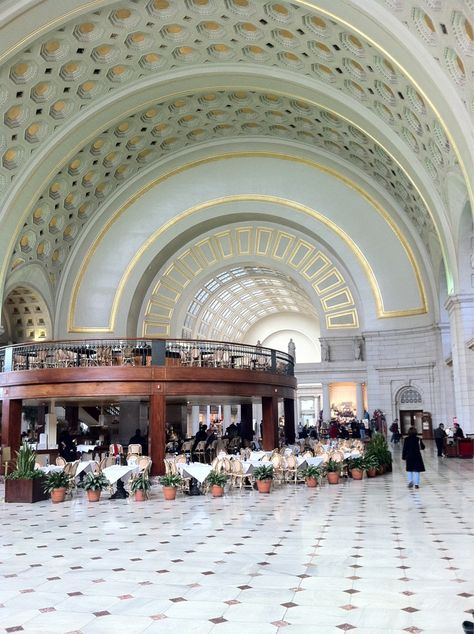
381 313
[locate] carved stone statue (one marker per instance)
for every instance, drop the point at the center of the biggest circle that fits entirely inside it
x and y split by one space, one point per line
292 349
324 350
357 348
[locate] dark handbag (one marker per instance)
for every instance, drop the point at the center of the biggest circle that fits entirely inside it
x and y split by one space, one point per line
422 446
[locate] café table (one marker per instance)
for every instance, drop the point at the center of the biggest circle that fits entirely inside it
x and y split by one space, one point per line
52 468
196 470
119 472
85 466
313 462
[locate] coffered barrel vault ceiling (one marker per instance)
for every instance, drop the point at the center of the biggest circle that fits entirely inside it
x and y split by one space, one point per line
100 99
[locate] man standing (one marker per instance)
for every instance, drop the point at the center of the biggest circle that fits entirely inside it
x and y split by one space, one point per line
439 436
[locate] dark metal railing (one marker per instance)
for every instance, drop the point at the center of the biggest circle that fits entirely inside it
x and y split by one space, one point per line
144 352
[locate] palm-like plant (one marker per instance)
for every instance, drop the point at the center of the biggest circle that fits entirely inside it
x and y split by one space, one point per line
25 465
57 480
95 482
264 472
216 478
171 480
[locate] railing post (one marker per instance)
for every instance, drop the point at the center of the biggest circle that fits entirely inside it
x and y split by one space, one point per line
8 360
158 352
274 361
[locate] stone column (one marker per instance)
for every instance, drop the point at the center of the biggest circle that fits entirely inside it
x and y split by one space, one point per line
461 316
194 419
326 402
359 401
227 417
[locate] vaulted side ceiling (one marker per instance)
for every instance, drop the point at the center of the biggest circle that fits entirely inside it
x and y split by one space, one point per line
94 96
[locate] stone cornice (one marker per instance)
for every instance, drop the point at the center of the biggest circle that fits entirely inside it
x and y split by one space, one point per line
457 301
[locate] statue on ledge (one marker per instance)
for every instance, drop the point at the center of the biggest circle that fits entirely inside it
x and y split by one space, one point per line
324 350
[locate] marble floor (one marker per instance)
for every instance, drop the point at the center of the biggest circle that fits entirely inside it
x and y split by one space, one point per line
370 556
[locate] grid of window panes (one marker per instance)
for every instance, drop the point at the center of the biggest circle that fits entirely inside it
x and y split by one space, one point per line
228 304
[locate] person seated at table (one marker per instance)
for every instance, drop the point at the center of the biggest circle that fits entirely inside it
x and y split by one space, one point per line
138 439
231 431
458 432
173 441
200 436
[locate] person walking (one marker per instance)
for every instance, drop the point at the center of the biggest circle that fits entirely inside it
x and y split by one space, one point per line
412 455
439 436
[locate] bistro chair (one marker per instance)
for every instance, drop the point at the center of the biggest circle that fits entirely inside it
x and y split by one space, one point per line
200 451
60 461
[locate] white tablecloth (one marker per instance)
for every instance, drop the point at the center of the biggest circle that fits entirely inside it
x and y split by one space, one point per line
196 470
314 462
258 455
52 468
119 472
85 466
85 448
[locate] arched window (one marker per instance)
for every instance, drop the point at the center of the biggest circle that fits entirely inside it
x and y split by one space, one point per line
411 396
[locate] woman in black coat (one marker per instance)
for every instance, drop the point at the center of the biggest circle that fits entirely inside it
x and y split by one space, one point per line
412 455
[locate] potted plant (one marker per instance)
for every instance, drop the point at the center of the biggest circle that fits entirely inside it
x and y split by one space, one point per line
25 482
356 467
371 464
94 483
332 470
170 482
140 487
311 473
57 484
263 476
217 481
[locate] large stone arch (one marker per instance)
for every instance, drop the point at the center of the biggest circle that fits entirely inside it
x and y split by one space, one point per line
193 200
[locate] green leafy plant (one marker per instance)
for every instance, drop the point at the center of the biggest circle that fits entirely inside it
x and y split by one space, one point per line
311 471
141 483
264 472
216 478
356 463
331 466
25 465
378 448
371 462
95 482
171 480
57 480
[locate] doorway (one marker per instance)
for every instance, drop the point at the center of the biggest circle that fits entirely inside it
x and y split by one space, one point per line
411 418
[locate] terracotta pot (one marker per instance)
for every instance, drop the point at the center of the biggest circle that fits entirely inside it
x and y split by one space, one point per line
264 486
333 477
380 470
311 482
357 474
217 491
169 493
140 496
93 496
58 495
372 472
